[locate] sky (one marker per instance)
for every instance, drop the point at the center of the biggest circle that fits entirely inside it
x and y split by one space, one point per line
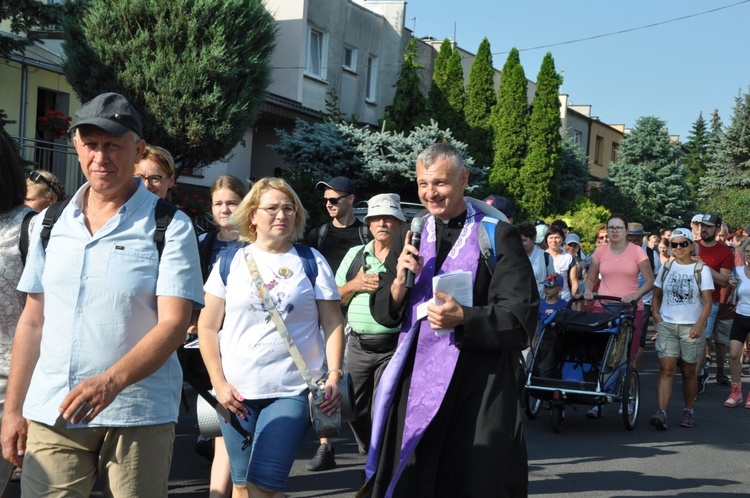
674 70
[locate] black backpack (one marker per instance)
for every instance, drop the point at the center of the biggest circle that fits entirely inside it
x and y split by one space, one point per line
23 240
364 234
163 213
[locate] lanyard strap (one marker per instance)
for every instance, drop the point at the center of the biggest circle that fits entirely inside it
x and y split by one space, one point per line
273 312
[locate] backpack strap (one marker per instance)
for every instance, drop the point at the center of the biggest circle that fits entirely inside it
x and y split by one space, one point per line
305 254
322 232
364 234
225 261
697 271
23 240
50 218
650 254
163 214
357 264
547 261
665 269
308 262
486 238
205 248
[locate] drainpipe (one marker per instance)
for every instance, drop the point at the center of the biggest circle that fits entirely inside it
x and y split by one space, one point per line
24 95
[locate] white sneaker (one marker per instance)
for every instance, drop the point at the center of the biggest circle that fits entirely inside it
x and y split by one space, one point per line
594 412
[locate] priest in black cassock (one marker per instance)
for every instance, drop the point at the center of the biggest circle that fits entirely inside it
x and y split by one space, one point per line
447 420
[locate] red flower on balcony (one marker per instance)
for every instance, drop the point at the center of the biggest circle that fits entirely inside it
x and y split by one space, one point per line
54 122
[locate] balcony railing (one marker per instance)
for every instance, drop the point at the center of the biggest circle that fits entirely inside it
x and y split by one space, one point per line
58 157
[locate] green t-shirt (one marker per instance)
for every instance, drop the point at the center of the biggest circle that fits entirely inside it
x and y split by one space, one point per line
359 317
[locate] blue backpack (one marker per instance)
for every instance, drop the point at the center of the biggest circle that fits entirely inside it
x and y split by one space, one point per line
305 253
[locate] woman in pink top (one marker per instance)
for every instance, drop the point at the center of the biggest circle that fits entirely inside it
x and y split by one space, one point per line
618 265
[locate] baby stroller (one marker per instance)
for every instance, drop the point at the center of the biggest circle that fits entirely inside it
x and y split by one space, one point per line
581 357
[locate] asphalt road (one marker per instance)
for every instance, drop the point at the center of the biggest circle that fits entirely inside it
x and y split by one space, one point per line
589 458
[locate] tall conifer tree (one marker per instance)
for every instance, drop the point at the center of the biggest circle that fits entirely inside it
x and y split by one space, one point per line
510 118
409 107
697 158
196 71
540 173
480 99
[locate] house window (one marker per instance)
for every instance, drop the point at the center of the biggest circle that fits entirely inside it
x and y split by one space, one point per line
317 53
372 78
350 59
577 136
615 146
598 150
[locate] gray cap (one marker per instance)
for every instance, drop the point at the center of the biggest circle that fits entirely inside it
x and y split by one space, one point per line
112 113
385 205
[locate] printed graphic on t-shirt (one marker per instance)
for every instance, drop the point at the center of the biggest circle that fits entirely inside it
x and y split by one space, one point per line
680 289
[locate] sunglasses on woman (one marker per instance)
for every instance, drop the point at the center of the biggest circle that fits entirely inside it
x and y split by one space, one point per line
37 177
682 244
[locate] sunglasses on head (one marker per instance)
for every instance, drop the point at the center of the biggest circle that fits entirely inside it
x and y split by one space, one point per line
37 177
682 244
334 200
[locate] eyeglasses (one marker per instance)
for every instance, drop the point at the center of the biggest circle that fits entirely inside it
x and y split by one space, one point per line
615 229
603 237
153 179
37 177
287 209
682 244
334 200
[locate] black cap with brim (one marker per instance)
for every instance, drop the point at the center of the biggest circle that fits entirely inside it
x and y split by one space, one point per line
340 183
112 113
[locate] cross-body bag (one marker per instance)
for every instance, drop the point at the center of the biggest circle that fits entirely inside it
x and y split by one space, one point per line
324 425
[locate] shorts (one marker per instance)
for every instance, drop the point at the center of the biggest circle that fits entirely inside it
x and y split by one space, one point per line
279 426
740 328
128 461
673 341
722 330
712 319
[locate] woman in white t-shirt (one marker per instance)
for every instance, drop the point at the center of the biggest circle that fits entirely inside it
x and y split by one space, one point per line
681 305
250 367
740 326
560 259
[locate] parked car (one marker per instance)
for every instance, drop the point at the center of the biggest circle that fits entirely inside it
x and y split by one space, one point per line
410 209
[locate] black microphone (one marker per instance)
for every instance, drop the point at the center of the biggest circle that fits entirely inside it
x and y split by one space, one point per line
416 239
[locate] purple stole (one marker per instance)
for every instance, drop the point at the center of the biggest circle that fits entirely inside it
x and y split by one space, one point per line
436 356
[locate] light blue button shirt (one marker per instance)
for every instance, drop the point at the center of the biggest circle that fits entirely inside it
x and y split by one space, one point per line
100 296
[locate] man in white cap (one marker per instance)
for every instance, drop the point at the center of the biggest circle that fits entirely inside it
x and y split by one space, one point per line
94 386
695 226
371 345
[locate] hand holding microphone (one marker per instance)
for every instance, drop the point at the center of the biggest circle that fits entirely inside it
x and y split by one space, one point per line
417 224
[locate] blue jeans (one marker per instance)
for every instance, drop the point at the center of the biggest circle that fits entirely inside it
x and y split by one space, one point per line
279 426
711 319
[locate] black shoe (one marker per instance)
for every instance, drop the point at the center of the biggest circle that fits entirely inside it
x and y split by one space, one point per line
323 460
205 448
